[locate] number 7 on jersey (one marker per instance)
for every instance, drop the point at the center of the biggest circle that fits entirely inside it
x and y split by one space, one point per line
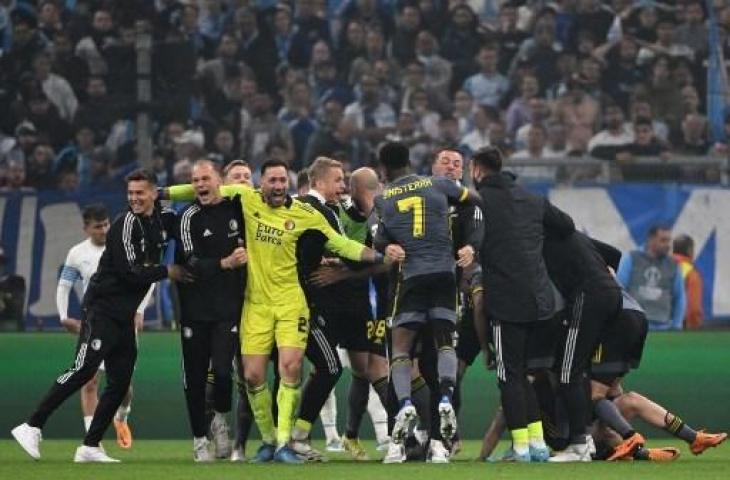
418 205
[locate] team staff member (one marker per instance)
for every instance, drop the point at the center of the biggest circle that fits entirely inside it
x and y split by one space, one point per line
128 267
276 309
518 295
80 265
210 233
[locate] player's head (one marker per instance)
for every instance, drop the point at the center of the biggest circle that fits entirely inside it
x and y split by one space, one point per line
237 172
303 182
96 223
659 240
684 245
485 162
448 162
364 187
206 182
274 181
142 191
327 177
395 159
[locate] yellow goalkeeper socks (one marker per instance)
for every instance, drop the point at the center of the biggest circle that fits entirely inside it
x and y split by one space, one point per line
534 432
520 441
261 403
287 400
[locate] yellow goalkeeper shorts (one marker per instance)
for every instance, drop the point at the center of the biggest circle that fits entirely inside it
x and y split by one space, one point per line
262 325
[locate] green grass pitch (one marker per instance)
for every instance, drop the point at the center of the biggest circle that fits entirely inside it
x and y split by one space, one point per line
172 460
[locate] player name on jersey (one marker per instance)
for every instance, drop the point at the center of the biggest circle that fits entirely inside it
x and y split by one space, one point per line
408 187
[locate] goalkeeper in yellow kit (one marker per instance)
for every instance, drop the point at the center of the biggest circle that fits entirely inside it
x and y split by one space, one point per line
275 309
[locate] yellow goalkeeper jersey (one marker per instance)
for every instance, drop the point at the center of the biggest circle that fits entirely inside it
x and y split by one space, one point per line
271 235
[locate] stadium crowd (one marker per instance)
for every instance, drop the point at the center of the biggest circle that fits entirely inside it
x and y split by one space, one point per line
252 80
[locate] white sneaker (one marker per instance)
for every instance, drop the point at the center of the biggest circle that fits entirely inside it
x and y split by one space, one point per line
201 450
306 452
29 438
335 445
383 445
220 432
448 420
591 445
422 436
576 452
396 453
238 455
437 453
85 454
403 421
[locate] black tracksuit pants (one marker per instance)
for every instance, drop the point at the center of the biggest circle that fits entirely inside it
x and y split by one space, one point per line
101 339
207 344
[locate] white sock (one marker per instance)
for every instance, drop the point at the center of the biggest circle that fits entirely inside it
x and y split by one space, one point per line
521 449
537 443
219 417
378 416
328 414
123 413
87 422
199 441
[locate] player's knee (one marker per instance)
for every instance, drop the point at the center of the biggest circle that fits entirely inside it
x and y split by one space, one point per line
254 378
290 369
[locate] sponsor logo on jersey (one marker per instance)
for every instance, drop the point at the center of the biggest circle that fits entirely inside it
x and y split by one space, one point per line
267 234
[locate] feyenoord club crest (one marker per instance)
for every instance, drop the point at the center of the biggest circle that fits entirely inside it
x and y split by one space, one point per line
289 224
233 225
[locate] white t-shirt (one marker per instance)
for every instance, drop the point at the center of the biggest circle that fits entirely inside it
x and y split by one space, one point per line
80 265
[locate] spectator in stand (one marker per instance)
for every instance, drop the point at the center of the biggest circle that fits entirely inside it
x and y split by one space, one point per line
77 156
621 74
427 119
663 93
487 87
508 36
39 168
535 152
12 292
665 44
310 29
693 31
212 20
49 18
67 64
557 140
403 43
683 248
694 139
480 135
460 42
498 138
654 279
56 88
352 46
91 47
372 117
27 43
256 48
540 112
641 108
579 112
223 150
326 85
645 143
214 72
374 50
410 133
464 111
541 51
614 138
322 142
299 117
519 111
99 108
437 80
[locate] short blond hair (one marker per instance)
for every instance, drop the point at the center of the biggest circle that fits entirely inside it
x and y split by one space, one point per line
320 167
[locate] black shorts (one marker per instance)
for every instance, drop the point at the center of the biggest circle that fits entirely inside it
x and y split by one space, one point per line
467 343
351 325
426 297
542 344
621 347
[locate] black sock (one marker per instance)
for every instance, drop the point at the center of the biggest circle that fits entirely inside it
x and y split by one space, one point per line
608 413
676 426
421 398
357 401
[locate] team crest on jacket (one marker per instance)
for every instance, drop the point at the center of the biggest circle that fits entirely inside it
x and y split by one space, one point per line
289 224
96 344
233 225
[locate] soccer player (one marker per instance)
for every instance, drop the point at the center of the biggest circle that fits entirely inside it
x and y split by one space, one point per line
127 269
238 172
467 232
517 291
275 307
81 263
413 212
353 325
211 235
